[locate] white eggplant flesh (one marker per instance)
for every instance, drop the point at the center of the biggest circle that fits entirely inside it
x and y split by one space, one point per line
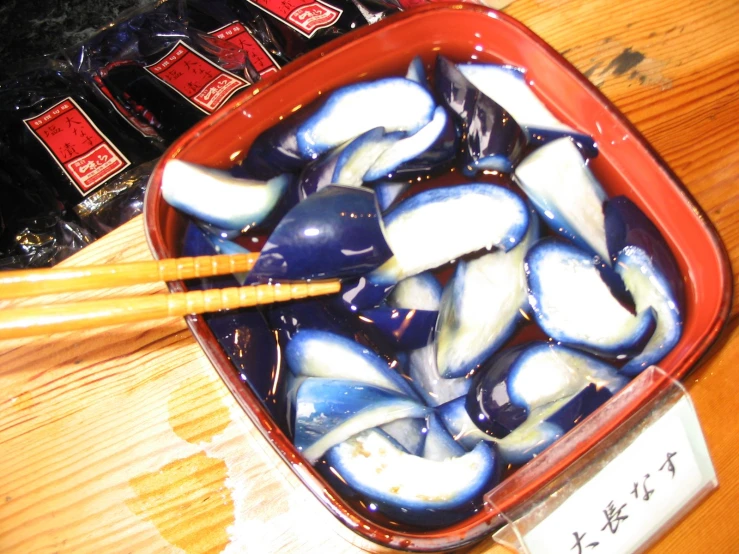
372 464
481 307
650 289
573 304
432 387
408 148
566 194
507 86
408 433
217 198
314 353
420 292
439 225
330 411
395 103
439 444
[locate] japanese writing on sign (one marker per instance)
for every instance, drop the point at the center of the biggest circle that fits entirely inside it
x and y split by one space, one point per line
199 80
305 16
635 495
236 34
78 147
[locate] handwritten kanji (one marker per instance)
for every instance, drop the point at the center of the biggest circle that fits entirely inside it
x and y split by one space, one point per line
579 543
613 517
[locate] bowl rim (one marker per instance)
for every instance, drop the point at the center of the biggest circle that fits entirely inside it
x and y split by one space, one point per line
489 518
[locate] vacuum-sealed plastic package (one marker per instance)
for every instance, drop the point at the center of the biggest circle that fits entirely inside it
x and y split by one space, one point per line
161 72
227 20
34 230
53 125
284 29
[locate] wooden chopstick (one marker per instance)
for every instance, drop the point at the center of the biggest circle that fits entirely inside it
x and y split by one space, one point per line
24 322
35 282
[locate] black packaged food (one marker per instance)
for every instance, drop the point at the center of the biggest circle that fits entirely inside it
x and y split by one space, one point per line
34 231
299 26
51 122
227 20
167 75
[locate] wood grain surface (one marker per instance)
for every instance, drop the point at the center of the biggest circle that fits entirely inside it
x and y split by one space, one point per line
125 440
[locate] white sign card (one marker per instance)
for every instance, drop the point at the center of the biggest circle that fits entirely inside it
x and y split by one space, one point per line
636 495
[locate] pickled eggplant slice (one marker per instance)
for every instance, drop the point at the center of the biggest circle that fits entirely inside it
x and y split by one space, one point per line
405 329
425 378
217 198
651 291
394 103
536 433
372 464
330 411
573 304
409 148
334 233
627 225
482 306
313 353
439 444
408 433
494 140
361 293
439 225
353 158
417 72
527 377
420 292
508 87
453 414
387 192
361 157
566 194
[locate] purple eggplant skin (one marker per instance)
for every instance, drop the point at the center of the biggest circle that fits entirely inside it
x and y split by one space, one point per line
362 294
579 407
627 225
335 233
530 376
489 403
557 273
407 329
494 140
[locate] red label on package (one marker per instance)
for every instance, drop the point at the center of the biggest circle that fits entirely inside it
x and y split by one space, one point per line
305 16
77 145
236 34
200 81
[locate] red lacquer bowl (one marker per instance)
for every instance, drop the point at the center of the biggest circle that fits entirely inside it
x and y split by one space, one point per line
626 165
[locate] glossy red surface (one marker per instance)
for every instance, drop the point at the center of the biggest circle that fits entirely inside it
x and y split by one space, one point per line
626 165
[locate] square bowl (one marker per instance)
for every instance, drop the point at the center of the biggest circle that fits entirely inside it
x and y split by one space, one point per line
626 164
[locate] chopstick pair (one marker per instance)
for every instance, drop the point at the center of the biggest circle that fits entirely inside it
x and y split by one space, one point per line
24 322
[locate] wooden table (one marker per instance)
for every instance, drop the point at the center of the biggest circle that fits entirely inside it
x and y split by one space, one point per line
125 440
